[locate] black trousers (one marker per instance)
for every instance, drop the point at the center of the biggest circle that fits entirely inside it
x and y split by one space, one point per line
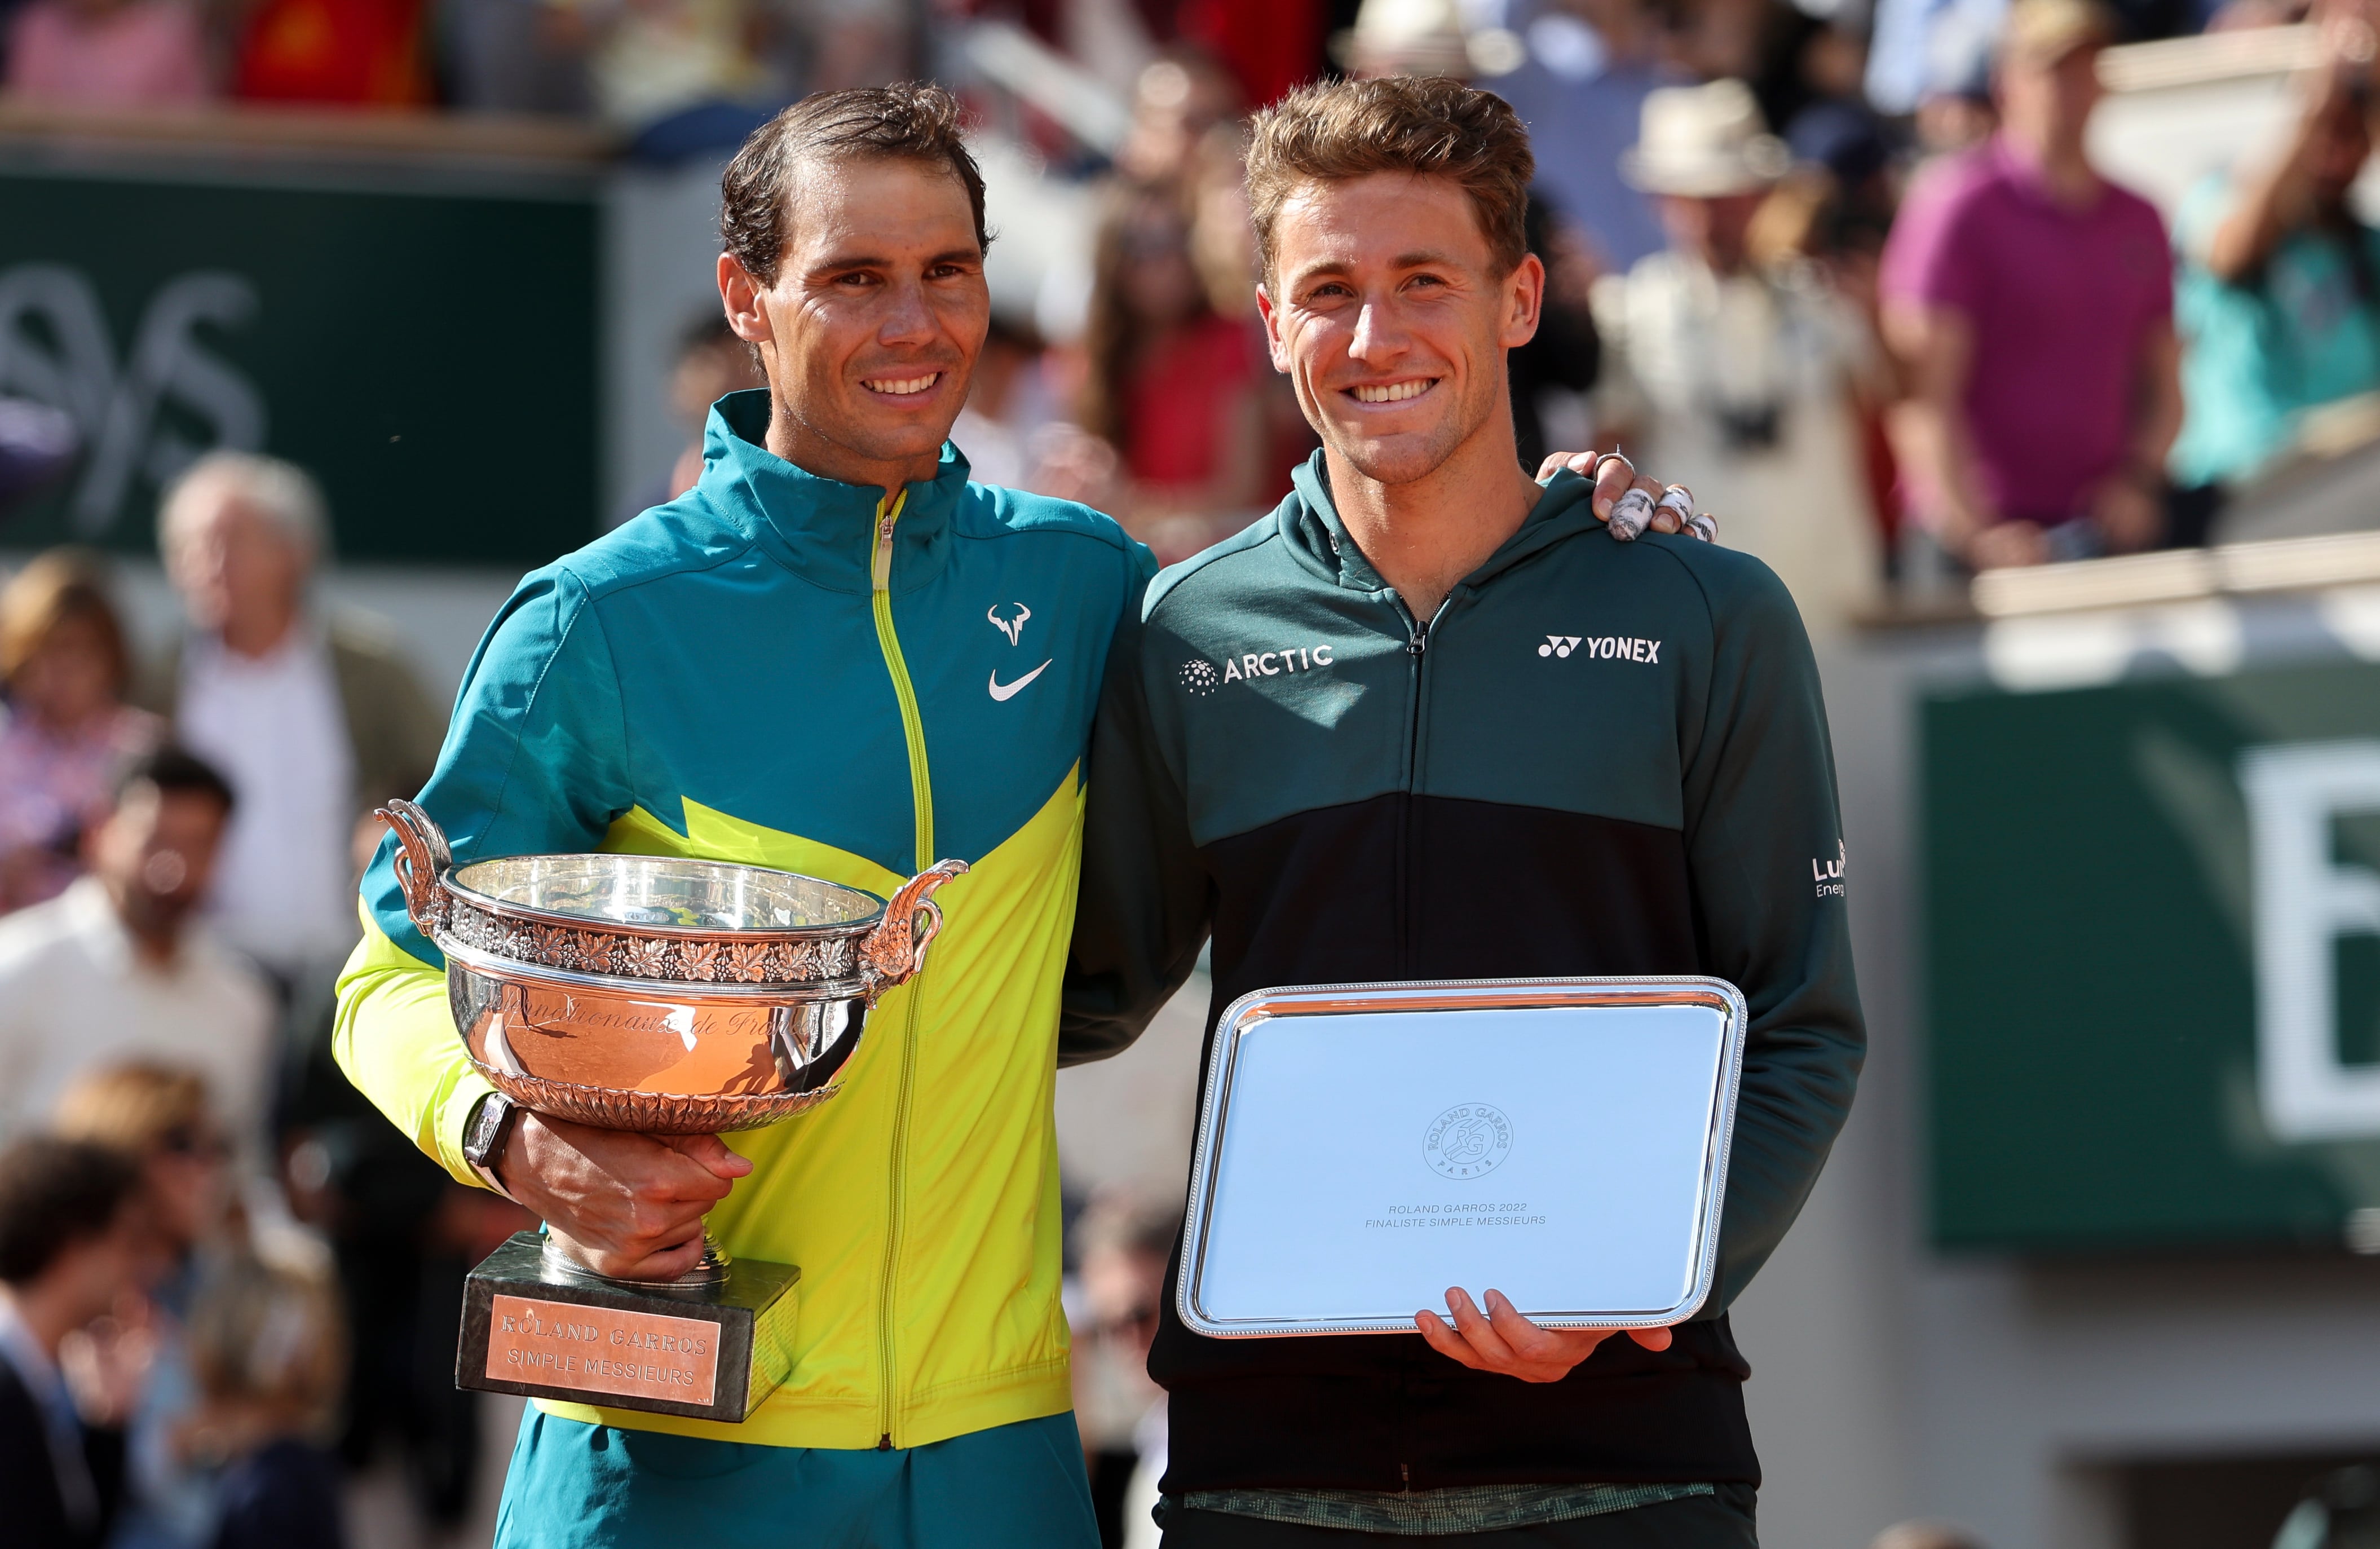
1719 1521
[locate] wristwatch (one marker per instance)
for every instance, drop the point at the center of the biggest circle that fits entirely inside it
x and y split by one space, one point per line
484 1137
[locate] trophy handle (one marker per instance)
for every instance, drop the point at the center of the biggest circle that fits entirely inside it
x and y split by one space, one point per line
895 950
422 858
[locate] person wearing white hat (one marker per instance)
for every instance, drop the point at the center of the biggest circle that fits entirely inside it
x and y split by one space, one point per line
1738 372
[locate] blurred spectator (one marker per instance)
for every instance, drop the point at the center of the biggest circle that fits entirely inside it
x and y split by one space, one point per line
511 57
1173 387
353 52
2032 302
683 77
2340 1511
71 1250
1008 404
1919 49
404 1235
1563 359
1124 1236
37 444
157 1117
117 967
1739 378
313 719
1591 65
64 664
267 1349
712 363
2279 300
1832 213
1920 1534
1176 102
109 52
1267 45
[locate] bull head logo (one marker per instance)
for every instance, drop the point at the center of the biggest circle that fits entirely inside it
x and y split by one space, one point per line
1012 627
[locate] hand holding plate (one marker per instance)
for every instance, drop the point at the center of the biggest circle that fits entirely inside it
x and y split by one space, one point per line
1504 1341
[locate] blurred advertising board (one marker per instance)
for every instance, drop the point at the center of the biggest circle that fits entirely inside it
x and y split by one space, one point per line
2153 976
428 349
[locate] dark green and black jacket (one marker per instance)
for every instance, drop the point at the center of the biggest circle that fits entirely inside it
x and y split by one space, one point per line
1596 758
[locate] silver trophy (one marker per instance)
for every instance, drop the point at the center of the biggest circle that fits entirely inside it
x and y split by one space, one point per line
668 997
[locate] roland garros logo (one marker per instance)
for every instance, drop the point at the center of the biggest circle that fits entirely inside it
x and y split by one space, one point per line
1470 1139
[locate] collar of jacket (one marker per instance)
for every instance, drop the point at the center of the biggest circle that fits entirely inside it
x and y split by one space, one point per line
1310 525
822 528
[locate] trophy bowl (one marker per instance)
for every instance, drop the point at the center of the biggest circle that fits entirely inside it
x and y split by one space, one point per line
665 995
659 993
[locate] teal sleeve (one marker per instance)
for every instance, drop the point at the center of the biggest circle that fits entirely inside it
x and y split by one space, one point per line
536 757
1147 900
1763 848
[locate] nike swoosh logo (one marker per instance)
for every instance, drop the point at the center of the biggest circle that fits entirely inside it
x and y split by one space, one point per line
1009 690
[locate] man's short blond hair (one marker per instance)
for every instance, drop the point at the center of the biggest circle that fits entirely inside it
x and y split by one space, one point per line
1424 124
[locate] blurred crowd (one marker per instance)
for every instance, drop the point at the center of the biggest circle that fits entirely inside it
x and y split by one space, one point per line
196 1210
1847 266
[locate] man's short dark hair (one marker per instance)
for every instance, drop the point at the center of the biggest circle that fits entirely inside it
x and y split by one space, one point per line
913 121
54 1194
175 770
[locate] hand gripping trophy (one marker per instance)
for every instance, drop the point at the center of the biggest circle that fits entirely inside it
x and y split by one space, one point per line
669 996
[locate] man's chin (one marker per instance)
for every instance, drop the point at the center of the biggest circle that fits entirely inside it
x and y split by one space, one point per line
1396 459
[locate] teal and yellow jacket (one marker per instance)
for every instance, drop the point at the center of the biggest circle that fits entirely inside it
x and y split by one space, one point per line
791 672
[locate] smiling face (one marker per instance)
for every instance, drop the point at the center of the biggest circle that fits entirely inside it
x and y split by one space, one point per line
1386 309
870 329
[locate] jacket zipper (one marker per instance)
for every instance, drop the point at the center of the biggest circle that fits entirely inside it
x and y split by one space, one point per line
1417 653
913 731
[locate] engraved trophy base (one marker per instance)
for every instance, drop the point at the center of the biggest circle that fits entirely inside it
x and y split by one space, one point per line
708 1346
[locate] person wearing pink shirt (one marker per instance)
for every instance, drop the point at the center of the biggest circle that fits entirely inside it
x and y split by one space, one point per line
2033 301
108 54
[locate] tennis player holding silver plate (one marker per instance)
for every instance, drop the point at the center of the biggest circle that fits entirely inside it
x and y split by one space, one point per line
1430 725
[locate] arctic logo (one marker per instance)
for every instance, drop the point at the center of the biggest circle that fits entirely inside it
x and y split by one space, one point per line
1612 647
1012 627
1006 692
1201 679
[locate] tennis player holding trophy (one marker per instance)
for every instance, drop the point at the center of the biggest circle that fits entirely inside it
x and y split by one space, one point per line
1511 839
835 657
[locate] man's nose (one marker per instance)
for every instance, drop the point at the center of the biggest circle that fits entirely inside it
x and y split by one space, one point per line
1378 336
907 318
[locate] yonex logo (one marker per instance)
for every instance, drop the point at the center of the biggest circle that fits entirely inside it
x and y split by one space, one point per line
1619 648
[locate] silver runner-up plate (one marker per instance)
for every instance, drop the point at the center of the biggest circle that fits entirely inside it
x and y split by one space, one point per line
1364 1147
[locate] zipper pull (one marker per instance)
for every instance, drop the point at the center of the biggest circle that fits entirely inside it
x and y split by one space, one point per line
1419 642
886 515
884 1442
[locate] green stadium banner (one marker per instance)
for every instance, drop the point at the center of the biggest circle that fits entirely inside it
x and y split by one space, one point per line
2154 962
432 355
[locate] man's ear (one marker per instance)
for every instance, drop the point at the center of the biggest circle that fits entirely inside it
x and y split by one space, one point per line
739 296
1273 343
1524 295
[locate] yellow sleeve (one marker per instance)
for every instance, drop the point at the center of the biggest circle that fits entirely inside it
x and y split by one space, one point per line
395 1041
